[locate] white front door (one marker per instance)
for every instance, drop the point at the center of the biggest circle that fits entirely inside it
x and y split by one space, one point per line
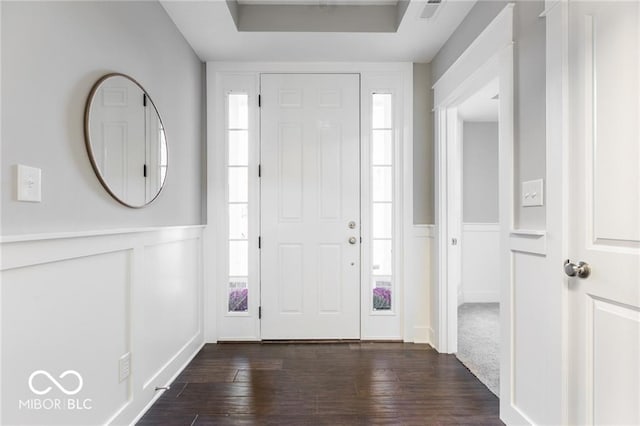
604 212
310 201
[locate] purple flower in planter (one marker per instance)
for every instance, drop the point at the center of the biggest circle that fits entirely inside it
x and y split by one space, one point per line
381 298
238 300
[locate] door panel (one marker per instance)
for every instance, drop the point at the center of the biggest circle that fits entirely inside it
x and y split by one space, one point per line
121 126
310 191
604 212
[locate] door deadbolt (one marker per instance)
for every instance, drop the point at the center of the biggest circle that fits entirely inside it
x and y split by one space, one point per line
352 225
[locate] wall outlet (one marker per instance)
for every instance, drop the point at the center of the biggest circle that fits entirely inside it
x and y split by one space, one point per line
532 193
29 184
124 366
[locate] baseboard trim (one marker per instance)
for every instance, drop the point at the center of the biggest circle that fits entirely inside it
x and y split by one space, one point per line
421 334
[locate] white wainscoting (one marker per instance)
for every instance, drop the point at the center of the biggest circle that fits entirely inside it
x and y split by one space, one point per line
418 285
529 394
80 302
480 263
530 397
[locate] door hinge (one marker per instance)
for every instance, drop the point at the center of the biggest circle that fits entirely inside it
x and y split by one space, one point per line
259 170
144 100
144 170
259 242
259 101
259 312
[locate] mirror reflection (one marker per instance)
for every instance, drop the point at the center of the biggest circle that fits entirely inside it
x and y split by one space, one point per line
126 140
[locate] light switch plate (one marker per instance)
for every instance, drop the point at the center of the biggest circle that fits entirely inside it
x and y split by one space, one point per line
29 184
532 193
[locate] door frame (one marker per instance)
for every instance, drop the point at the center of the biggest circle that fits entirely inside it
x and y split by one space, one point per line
396 77
489 57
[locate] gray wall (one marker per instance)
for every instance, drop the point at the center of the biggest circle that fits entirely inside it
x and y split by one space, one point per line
52 53
480 172
423 166
529 85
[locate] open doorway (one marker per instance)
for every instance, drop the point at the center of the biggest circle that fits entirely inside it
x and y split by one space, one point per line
479 286
490 57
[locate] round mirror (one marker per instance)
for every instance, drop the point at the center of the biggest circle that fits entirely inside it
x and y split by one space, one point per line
125 139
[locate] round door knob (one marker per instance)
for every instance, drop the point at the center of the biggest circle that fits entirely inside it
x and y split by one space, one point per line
353 240
581 270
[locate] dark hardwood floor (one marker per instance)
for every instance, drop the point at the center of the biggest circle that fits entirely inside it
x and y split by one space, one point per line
324 384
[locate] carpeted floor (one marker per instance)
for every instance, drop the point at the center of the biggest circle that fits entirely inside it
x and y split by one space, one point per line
478 342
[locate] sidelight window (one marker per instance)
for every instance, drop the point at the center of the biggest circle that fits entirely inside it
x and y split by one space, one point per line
237 135
382 144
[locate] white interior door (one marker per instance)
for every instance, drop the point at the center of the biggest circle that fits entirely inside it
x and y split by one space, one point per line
310 194
604 208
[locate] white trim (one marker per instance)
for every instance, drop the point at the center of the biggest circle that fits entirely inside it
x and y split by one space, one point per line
1 239
308 67
533 244
6 239
497 33
424 231
528 232
480 227
25 252
480 297
557 170
421 335
549 5
212 233
404 189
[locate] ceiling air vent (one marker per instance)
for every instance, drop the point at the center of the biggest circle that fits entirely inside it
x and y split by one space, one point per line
430 9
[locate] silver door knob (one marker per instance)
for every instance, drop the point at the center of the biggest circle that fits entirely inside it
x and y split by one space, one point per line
582 269
353 240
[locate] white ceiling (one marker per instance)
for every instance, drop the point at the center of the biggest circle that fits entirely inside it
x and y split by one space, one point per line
482 105
209 28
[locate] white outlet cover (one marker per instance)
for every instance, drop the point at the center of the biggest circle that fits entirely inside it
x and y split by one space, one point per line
29 184
532 193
